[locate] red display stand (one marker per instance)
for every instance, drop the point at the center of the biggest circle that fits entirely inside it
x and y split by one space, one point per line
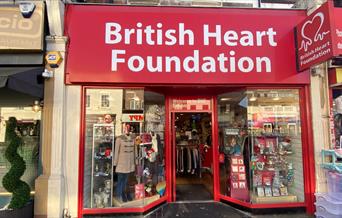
238 179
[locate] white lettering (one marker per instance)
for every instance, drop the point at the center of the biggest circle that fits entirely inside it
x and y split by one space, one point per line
259 36
260 60
232 61
159 34
137 59
241 64
195 63
216 34
229 38
208 65
183 32
169 34
221 59
148 32
128 33
113 33
271 34
246 38
169 60
116 60
159 66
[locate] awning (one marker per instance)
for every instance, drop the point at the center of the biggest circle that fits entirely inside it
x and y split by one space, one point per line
22 79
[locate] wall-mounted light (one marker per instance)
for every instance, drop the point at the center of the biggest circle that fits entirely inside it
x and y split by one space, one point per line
47 74
226 99
37 106
253 98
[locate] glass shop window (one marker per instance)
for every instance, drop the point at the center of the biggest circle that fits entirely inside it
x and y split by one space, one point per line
104 100
260 146
124 149
88 101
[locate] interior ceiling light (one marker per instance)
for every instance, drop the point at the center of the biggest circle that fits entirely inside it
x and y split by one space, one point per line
225 99
253 98
36 107
276 98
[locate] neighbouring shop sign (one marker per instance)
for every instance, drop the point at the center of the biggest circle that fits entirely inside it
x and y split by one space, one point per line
19 33
132 117
319 36
181 45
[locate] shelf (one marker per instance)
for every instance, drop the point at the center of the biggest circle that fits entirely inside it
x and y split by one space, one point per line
102 176
274 199
136 203
99 176
102 158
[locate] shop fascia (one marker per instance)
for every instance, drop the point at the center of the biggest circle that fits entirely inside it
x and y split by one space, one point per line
196 62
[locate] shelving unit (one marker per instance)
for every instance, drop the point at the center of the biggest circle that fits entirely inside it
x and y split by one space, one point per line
271 175
102 165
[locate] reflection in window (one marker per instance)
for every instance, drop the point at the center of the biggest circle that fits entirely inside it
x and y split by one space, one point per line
124 150
88 101
104 100
260 145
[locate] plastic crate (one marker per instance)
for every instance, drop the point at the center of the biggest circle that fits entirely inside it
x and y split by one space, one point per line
334 185
331 205
330 160
321 212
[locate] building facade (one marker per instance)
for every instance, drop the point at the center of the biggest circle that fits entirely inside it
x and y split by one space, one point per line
21 87
216 101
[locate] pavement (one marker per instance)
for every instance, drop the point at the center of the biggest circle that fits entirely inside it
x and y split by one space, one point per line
207 210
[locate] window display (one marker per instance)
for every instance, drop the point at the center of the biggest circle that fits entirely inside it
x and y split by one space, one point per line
261 129
124 149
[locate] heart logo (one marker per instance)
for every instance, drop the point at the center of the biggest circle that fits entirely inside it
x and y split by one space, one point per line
319 36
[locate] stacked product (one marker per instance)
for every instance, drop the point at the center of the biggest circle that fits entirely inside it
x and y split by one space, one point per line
238 182
273 173
329 205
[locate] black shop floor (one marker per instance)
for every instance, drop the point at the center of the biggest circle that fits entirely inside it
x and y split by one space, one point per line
204 210
192 192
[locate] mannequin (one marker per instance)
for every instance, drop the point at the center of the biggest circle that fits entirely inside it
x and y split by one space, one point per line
124 160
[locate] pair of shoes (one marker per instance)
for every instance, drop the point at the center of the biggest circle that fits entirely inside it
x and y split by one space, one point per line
126 197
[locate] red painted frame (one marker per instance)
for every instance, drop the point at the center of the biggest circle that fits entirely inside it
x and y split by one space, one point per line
88 211
307 146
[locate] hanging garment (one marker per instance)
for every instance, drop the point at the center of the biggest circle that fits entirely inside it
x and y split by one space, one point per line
125 153
189 160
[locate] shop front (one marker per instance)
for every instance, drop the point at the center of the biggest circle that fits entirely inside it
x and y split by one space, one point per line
189 104
21 61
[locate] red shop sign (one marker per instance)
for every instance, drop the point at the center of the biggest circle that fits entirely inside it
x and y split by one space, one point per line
166 45
319 36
